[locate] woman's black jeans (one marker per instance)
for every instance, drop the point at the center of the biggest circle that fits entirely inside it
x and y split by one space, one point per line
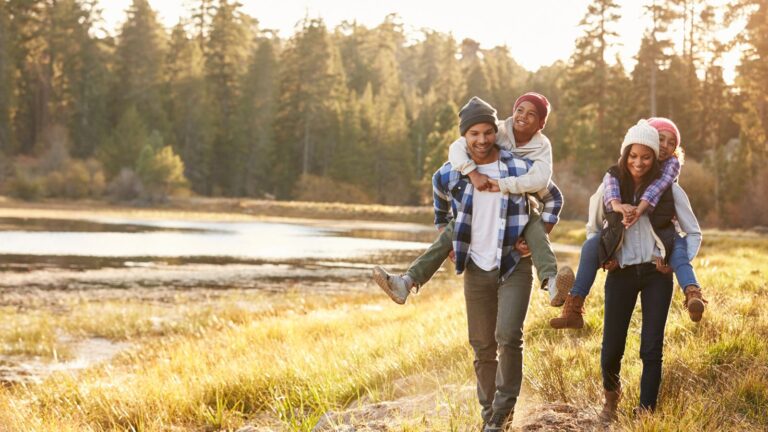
621 289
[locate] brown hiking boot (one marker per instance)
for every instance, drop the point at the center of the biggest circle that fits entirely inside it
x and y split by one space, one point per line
572 315
610 406
694 302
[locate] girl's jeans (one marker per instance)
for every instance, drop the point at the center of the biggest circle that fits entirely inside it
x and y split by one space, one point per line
589 263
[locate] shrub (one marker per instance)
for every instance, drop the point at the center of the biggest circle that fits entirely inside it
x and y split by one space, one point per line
161 172
126 186
699 184
26 187
323 189
575 188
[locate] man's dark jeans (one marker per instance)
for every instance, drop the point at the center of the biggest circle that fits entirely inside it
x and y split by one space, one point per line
495 316
621 289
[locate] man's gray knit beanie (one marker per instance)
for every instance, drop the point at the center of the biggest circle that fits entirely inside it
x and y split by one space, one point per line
476 111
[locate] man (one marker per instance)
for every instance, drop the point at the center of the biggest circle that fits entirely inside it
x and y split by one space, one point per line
488 250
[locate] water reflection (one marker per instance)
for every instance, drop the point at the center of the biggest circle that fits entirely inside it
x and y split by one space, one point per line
250 240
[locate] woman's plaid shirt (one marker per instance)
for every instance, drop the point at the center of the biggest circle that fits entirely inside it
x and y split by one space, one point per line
452 195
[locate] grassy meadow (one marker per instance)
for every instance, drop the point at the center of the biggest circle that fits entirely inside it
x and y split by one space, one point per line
280 361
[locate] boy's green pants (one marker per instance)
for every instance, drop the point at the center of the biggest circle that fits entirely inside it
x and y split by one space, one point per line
426 265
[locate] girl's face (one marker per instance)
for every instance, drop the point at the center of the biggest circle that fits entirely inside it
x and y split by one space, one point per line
667 145
639 161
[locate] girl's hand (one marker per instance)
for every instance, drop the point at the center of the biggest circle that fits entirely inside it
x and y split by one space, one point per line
661 267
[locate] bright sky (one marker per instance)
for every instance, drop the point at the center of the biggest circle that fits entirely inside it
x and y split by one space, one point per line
538 32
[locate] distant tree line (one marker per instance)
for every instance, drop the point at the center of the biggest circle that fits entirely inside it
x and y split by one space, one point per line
223 107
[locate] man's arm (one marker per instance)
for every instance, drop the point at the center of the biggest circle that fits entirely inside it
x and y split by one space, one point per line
553 201
441 198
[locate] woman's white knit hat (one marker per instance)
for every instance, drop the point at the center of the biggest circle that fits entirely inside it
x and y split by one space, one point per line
642 133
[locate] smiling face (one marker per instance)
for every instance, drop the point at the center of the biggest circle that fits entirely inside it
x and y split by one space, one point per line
527 119
667 144
481 142
639 161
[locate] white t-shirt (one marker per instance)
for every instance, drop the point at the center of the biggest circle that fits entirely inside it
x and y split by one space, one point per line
486 206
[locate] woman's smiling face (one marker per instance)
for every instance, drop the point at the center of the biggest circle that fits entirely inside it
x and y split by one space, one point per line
639 161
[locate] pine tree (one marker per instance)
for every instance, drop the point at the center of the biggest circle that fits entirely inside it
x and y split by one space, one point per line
752 81
140 57
79 75
188 107
312 91
32 94
507 80
226 62
256 116
122 149
587 88
7 80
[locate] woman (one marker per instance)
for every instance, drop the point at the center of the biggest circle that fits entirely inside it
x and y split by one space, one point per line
637 259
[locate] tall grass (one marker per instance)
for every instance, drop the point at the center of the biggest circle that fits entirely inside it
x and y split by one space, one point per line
286 367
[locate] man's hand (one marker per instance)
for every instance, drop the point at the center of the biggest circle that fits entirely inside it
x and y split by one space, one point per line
611 265
548 227
661 267
522 246
452 256
479 181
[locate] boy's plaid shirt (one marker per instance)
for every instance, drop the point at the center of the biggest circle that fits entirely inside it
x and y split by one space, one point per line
452 195
670 170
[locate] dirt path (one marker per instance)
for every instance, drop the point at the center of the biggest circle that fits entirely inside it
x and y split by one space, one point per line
431 411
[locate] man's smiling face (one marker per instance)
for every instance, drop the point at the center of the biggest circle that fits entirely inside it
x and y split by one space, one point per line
481 142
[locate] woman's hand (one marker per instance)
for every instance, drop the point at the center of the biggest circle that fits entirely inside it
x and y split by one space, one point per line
611 265
661 267
522 246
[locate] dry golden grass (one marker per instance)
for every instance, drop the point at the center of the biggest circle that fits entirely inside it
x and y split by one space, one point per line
218 368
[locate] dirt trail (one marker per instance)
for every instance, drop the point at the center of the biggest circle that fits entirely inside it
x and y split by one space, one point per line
430 411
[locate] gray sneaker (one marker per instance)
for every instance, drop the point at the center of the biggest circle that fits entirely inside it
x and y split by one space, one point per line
395 286
499 422
562 286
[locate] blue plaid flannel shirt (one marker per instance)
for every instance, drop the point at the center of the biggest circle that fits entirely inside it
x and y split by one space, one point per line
452 195
670 170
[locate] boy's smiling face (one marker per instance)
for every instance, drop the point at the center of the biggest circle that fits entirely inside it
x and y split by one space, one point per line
526 117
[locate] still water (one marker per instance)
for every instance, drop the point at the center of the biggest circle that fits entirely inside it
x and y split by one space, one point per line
249 240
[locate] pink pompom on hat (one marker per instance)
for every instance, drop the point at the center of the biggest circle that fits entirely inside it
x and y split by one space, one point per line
665 124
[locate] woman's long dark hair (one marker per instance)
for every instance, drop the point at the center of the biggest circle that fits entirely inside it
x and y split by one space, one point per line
625 178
